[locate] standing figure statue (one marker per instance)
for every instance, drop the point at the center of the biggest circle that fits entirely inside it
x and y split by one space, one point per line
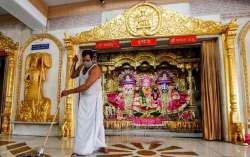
35 107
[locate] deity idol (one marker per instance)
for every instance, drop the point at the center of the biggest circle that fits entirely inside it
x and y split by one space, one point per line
117 100
35 107
178 101
164 82
156 101
127 84
146 83
137 102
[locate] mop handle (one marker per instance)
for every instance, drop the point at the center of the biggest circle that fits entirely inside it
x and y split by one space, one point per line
50 128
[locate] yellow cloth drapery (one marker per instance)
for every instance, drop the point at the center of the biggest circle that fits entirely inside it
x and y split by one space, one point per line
210 92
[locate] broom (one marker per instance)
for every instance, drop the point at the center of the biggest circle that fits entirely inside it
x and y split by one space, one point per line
40 153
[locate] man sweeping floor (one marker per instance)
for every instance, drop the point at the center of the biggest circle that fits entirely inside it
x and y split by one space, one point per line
90 135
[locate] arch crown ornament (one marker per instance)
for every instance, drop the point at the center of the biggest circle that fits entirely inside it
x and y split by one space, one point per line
145 20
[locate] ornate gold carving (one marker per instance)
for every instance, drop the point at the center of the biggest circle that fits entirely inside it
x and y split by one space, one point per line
171 58
67 127
230 70
172 24
238 134
7 45
20 65
145 57
158 22
243 38
109 83
122 124
35 107
143 20
124 59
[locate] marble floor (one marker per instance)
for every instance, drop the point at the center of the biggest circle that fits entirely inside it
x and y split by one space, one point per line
119 146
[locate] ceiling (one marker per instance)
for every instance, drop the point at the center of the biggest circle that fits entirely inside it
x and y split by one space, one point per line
60 2
2 11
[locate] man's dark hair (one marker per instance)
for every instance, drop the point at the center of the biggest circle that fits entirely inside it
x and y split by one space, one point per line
91 53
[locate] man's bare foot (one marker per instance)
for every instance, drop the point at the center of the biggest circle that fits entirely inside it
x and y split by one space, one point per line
103 150
73 155
76 155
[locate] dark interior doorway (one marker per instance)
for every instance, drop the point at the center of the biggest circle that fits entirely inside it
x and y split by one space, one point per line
2 86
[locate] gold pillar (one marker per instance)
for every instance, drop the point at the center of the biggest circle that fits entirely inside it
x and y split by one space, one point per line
10 48
230 69
189 68
67 129
7 114
243 47
190 83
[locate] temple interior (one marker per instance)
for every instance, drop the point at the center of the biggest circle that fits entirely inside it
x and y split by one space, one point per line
171 78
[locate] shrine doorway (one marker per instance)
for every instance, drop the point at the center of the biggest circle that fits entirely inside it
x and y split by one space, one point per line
151 89
134 30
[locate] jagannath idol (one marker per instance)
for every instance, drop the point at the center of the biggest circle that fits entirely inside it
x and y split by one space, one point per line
150 97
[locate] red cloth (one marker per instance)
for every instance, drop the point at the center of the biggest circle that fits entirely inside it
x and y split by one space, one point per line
248 138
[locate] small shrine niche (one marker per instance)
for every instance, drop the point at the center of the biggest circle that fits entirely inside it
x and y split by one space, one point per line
157 89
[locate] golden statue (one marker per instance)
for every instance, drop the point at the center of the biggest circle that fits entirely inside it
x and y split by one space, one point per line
65 129
6 126
182 84
110 84
35 107
238 134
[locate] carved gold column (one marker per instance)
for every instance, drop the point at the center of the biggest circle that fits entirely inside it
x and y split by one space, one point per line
67 128
189 68
6 127
10 48
243 46
230 68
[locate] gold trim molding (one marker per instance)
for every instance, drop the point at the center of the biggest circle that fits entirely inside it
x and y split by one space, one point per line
7 44
242 41
146 19
229 40
20 65
10 47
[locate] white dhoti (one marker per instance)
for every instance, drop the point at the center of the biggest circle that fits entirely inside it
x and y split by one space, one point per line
90 134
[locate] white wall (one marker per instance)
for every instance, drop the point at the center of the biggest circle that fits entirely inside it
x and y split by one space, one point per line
16 31
182 8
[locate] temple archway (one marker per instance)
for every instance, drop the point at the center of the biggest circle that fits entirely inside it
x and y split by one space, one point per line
167 27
